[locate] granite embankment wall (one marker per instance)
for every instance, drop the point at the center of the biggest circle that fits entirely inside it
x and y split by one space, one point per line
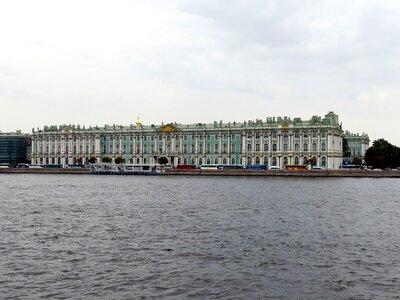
314 173
44 171
198 172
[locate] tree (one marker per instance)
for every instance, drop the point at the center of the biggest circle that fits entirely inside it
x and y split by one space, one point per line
382 155
119 160
92 160
163 160
357 160
107 159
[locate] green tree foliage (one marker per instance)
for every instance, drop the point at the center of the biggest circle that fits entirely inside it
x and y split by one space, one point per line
119 160
92 160
107 159
163 160
382 155
357 160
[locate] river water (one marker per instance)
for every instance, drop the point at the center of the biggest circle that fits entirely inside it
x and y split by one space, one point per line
167 237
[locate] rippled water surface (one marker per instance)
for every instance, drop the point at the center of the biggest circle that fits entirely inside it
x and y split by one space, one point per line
133 237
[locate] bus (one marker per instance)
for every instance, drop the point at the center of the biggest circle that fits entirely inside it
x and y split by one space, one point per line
296 167
231 167
185 167
256 167
210 167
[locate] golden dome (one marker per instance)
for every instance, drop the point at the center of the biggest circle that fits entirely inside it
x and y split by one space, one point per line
138 123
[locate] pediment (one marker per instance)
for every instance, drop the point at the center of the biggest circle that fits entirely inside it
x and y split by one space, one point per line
168 128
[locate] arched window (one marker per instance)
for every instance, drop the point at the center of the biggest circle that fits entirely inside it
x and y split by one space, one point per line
323 147
53 160
185 161
200 161
314 147
323 161
285 147
208 161
192 161
216 148
266 147
305 148
145 160
274 135
224 147
233 161
66 160
257 160
305 160
296 147
224 161
296 134
285 160
59 160
248 147
274 162
273 147
47 160
193 148
296 160
249 160
266 161
216 161
137 161
233 148
208 148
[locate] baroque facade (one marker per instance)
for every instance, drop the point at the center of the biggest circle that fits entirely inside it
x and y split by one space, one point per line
273 142
357 145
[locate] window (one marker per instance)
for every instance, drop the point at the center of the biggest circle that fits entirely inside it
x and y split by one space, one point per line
305 147
249 160
185 148
257 160
274 135
296 134
296 160
323 161
285 160
192 161
285 135
200 161
193 148
274 162
248 147
296 147
314 134
274 147
266 147
233 147
145 160
216 161
224 161
208 137
257 147
208 161
314 147
224 147
185 161
266 161
285 147
305 135
323 134
233 161
257 135
266 135
208 148
216 148
323 147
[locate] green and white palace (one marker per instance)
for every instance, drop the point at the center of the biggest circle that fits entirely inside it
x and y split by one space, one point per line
273 142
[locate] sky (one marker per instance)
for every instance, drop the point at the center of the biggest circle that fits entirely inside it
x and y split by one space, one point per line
198 61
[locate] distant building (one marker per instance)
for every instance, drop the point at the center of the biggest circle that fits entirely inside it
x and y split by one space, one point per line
273 142
357 145
13 148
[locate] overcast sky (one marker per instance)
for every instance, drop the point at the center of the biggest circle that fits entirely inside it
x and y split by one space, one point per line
105 62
